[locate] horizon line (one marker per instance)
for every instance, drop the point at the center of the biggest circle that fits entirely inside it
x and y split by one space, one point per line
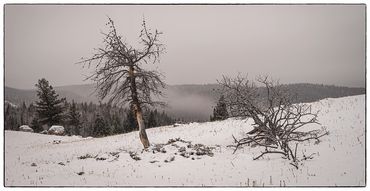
189 84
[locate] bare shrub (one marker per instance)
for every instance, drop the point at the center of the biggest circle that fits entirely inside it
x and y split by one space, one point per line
278 123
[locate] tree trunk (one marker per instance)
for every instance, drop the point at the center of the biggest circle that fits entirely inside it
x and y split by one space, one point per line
142 133
137 110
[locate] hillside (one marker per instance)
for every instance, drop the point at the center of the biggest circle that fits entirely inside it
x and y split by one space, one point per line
188 102
339 159
17 96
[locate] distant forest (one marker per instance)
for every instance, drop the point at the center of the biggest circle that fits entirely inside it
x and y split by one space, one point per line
313 92
95 119
185 103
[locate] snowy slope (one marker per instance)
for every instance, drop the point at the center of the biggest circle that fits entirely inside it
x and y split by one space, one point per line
44 160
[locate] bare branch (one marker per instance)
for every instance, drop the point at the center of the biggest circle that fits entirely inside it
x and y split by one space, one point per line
112 61
277 121
119 75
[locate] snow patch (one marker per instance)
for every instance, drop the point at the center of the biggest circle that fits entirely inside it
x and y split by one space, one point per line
25 128
56 130
10 103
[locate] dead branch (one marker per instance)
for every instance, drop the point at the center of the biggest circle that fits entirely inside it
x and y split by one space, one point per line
119 74
277 121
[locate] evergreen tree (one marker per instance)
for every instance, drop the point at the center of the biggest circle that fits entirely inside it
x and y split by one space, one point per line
100 127
164 119
117 125
36 126
220 111
85 125
7 123
152 121
24 114
10 118
73 117
49 107
31 111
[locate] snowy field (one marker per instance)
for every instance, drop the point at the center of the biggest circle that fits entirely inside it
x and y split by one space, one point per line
339 160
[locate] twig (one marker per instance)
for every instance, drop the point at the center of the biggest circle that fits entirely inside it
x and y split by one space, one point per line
267 152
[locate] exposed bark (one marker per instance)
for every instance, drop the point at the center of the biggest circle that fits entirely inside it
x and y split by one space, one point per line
137 109
119 74
142 133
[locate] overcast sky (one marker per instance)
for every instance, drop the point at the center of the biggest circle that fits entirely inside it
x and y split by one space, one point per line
293 43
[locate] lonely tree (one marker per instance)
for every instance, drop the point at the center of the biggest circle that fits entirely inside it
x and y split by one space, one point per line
279 124
119 74
49 107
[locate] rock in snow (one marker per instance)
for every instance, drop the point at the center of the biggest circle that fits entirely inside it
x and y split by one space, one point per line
25 128
56 130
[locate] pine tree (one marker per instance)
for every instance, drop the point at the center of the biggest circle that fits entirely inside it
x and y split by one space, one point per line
10 118
24 114
74 119
36 126
49 107
100 127
220 111
152 121
116 124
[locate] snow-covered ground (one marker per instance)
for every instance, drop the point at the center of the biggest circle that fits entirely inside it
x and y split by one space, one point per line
45 160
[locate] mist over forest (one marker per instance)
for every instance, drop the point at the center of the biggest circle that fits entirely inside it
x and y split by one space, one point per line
185 102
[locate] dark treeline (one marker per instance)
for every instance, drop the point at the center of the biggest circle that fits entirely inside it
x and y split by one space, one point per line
191 102
85 119
23 113
306 93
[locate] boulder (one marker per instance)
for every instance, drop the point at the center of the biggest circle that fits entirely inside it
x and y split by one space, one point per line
25 128
56 130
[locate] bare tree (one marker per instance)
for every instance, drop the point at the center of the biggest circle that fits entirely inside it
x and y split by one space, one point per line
277 121
119 74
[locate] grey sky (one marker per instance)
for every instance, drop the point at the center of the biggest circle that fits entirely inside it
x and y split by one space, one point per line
293 43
